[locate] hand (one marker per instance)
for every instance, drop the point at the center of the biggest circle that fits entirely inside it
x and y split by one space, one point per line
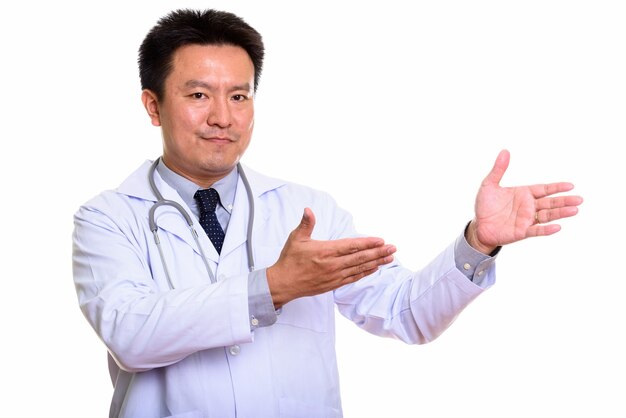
508 214
307 267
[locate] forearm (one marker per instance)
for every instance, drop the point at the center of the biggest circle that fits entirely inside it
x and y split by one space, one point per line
416 307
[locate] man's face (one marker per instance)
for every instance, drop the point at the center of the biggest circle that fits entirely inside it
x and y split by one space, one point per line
207 112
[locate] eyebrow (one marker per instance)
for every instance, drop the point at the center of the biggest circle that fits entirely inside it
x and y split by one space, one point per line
205 85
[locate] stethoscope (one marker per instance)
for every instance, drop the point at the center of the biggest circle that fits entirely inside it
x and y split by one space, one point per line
165 202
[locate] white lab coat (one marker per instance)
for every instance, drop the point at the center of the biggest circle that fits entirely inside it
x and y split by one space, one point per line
190 352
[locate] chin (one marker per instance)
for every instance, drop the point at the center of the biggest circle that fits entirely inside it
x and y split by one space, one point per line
219 166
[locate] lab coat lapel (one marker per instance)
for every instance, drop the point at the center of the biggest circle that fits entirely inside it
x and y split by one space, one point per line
167 218
173 222
170 220
236 234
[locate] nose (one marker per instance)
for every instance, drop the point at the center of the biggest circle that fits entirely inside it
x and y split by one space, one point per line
219 113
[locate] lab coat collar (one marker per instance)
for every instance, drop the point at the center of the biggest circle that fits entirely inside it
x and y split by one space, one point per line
168 219
136 185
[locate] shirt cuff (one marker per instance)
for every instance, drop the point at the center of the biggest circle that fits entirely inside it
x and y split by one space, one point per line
260 303
471 262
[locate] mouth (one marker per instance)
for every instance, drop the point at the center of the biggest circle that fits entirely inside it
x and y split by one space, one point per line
217 139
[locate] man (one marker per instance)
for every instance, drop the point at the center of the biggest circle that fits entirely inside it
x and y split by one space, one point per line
239 320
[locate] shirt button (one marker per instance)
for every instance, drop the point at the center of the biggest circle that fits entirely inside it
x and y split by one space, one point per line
480 273
254 322
467 266
234 350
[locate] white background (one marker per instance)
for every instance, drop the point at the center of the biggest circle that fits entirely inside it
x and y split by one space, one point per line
359 99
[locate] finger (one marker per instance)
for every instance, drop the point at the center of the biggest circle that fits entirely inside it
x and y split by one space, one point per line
549 215
558 202
305 228
543 190
363 270
346 246
539 230
358 276
499 167
366 260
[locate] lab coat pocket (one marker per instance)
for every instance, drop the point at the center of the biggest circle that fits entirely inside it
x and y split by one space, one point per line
313 313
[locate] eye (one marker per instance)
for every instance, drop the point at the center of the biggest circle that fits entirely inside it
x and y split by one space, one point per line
197 95
240 97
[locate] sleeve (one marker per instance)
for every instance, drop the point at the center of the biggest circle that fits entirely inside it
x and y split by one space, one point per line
473 264
413 306
260 303
143 323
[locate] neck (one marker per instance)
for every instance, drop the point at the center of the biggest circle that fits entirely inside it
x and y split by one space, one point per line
204 180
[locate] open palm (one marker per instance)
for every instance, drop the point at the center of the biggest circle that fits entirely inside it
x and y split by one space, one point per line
508 214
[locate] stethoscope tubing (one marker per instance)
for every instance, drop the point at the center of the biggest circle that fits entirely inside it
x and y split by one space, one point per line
189 220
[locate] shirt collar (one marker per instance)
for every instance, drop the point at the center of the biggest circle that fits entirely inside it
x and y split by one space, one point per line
226 187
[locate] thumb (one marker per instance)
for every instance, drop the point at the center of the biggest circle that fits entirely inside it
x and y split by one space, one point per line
499 167
305 228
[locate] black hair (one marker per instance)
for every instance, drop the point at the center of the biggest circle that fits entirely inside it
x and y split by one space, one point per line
194 27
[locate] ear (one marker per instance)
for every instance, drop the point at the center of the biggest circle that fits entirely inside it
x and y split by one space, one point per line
151 103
